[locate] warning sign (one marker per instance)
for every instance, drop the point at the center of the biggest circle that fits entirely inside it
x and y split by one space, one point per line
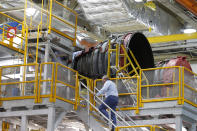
11 32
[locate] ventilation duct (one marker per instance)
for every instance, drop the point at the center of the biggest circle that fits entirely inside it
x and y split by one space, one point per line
111 12
159 20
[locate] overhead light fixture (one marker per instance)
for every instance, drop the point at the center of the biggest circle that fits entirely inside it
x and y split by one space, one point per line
189 30
30 11
138 0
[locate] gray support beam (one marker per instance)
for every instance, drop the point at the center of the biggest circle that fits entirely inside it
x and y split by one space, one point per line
193 127
179 123
51 119
21 113
155 121
54 56
59 119
24 123
46 68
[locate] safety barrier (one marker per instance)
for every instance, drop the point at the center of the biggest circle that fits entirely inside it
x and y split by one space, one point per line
50 20
66 84
50 80
19 82
140 127
56 81
128 93
189 89
13 34
168 83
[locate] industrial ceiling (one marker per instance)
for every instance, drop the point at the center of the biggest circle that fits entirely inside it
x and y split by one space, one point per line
101 18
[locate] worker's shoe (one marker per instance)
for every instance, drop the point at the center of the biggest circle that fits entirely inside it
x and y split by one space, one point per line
112 130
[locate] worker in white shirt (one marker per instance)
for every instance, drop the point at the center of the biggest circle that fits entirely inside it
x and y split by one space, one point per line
111 95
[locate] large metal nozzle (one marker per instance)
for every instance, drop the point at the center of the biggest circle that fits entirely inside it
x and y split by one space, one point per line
94 63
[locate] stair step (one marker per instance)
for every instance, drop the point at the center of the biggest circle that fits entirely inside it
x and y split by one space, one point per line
100 119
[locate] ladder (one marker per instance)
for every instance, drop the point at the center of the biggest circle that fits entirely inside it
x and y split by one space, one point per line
122 72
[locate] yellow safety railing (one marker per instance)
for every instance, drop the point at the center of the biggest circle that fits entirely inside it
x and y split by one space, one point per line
127 101
70 27
66 84
122 60
189 89
84 91
56 81
19 82
46 81
5 126
164 83
49 19
17 41
145 127
169 83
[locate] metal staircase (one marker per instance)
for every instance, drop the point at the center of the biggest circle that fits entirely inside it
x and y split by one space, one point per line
94 118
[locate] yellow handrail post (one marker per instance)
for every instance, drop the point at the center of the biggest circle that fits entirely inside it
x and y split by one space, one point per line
94 91
47 14
50 16
41 14
36 84
129 60
26 42
173 88
76 91
183 85
3 34
53 92
74 44
0 87
138 90
11 42
151 128
89 87
117 55
154 127
55 85
31 16
109 54
91 95
25 12
39 88
38 34
180 89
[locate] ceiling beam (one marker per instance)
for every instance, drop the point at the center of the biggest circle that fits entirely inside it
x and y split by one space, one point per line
3 10
170 38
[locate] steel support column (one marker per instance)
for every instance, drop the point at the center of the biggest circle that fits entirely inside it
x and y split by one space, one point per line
24 123
179 123
51 119
193 127
46 67
59 119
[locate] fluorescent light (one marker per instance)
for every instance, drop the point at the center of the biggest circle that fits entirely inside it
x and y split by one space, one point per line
138 0
30 11
189 30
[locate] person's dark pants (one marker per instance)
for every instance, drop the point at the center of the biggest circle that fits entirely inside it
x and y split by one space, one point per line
112 102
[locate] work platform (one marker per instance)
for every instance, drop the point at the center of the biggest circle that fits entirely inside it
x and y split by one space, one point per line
57 89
